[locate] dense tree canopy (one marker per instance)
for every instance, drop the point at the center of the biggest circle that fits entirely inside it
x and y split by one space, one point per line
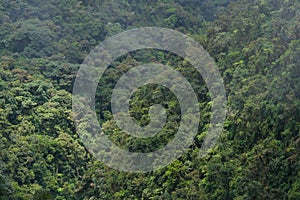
256 46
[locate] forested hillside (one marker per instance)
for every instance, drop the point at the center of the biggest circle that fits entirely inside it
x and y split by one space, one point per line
256 46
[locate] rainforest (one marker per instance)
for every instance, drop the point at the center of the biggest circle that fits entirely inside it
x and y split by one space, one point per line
255 45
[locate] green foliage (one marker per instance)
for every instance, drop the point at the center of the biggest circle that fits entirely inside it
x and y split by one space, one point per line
5 188
256 45
42 194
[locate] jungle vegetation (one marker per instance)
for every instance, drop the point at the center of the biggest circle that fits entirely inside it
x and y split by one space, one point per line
256 46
